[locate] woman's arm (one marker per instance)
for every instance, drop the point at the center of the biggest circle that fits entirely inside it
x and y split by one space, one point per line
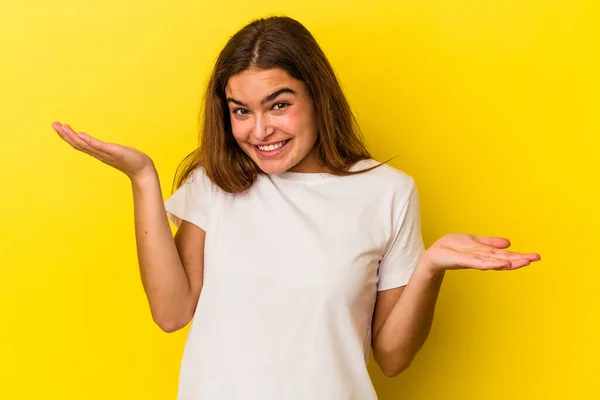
402 320
171 268
403 316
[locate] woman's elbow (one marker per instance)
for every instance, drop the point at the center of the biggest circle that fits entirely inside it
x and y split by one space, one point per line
392 365
170 323
395 369
170 327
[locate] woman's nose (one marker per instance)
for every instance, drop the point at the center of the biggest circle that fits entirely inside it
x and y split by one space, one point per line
263 128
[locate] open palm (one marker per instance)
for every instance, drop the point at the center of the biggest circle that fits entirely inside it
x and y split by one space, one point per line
128 160
464 251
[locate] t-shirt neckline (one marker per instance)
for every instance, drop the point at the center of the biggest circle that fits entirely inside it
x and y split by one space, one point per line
313 176
302 176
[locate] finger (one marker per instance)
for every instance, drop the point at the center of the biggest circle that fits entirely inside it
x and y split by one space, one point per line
68 137
497 242
76 140
487 264
515 255
56 126
96 144
514 261
63 133
505 255
490 262
82 140
518 264
58 129
101 148
532 256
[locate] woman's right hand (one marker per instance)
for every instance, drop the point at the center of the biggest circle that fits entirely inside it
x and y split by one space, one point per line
128 160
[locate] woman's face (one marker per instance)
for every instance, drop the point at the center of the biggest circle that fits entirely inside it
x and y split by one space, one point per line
273 120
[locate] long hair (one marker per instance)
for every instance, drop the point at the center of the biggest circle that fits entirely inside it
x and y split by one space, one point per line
274 42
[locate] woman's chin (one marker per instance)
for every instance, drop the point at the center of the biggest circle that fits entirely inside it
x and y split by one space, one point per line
273 167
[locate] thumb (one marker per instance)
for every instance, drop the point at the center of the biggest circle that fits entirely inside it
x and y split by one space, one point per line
497 242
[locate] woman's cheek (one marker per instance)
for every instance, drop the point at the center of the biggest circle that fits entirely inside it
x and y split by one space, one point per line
240 130
288 122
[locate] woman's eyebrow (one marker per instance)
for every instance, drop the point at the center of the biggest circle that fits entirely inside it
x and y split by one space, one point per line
276 93
270 97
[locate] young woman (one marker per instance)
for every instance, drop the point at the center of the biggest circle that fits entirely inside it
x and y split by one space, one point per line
296 253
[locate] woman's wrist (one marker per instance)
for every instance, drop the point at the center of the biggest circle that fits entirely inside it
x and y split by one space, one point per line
428 269
147 176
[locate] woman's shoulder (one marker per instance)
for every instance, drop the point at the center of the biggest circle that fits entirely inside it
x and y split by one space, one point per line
198 180
197 176
384 175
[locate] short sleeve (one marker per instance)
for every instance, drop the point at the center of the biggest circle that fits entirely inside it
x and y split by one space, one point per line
191 201
406 246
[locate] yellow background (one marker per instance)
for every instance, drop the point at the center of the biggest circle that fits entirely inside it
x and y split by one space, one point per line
491 105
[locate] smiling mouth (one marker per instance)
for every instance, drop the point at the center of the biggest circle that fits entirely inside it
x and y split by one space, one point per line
272 147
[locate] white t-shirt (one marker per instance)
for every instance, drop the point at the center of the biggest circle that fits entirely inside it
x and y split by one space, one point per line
291 273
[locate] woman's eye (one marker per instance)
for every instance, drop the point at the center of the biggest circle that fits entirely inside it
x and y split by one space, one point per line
240 111
280 106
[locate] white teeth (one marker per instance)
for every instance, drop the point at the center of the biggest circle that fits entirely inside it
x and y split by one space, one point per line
272 147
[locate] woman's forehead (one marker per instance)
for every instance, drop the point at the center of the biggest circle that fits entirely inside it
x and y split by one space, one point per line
256 83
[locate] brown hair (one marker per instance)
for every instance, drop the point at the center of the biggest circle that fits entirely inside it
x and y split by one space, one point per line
284 43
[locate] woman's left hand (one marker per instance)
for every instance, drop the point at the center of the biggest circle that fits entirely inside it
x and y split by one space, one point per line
464 251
